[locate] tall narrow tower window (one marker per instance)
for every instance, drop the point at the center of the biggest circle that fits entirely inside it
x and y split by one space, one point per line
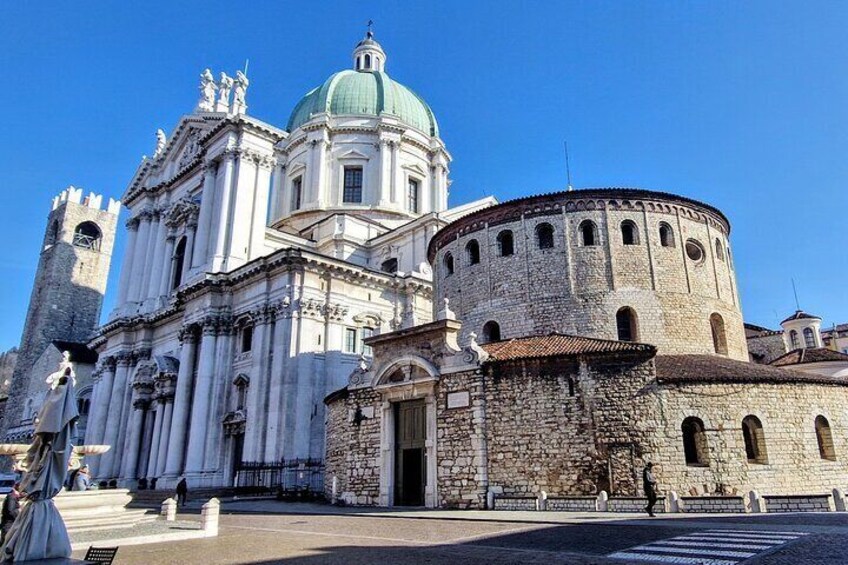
179 261
296 193
809 338
412 195
352 185
87 235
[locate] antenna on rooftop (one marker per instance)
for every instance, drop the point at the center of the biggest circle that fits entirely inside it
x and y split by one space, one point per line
567 167
795 292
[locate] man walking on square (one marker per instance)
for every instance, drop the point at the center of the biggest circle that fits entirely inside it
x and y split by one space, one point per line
182 492
650 485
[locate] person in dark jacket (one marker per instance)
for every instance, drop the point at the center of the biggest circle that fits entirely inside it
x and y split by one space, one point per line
11 507
182 492
650 485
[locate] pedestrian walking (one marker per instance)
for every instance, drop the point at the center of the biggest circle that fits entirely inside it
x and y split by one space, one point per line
11 507
649 482
182 492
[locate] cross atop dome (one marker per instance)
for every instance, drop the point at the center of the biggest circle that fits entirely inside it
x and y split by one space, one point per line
369 55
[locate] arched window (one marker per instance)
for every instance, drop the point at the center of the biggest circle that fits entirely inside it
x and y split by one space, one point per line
358 63
179 262
491 332
625 321
666 235
367 62
719 337
825 439
588 233
505 243
695 447
448 262
389 266
545 236
755 440
629 233
793 340
719 250
472 252
694 250
809 338
87 235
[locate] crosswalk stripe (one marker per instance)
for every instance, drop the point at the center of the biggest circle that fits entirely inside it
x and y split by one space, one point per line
735 539
779 532
716 553
671 559
702 544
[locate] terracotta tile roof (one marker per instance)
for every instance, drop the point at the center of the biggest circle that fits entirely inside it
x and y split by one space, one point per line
557 345
809 355
715 368
801 315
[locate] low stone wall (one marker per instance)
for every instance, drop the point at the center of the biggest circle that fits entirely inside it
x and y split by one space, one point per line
799 503
633 504
572 504
712 504
515 503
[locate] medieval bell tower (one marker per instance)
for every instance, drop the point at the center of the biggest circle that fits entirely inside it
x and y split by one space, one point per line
68 290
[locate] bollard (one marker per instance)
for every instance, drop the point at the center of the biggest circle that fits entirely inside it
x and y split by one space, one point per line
839 499
758 505
335 496
209 517
542 501
602 502
169 509
490 499
674 502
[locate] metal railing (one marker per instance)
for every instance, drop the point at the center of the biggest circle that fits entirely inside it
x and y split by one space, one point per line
290 479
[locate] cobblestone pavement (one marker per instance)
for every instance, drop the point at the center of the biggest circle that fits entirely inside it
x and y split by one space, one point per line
301 534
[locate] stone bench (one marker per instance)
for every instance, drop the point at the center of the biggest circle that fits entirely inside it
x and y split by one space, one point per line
799 503
712 504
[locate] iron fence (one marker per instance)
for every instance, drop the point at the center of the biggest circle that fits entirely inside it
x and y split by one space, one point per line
301 479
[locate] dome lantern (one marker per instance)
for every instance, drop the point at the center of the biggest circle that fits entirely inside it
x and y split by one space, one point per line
368 56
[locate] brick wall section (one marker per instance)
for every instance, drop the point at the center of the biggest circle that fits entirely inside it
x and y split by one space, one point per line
766 348
515 503
572 504
577 290
801 503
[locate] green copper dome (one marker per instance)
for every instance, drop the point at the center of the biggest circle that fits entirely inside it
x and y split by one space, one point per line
365 93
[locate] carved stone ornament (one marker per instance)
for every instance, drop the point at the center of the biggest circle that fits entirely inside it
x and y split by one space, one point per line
183 211
359 376
336 312
311 308
191 150
161 141
234 422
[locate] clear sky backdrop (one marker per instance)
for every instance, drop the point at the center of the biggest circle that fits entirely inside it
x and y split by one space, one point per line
739 104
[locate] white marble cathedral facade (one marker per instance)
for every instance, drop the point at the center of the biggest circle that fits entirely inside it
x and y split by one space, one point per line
257 260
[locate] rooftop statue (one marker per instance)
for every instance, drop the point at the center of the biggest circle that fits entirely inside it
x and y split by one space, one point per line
207 92
239 104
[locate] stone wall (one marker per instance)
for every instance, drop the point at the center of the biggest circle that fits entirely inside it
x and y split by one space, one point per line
787 411
767 347
575 289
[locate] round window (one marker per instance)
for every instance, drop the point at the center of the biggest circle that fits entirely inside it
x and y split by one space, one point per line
694 250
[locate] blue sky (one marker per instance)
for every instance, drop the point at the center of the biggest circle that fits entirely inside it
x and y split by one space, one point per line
743 105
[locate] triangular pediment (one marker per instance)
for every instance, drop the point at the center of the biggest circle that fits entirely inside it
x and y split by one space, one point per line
415 168
354 154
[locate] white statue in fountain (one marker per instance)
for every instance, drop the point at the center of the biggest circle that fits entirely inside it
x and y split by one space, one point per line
207 92
240 92
65 364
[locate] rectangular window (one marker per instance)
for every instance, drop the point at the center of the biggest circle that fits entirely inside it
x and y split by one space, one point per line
352 185
366 333
350 340
297 189
412 195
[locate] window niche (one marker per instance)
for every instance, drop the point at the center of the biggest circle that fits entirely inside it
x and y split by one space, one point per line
472 252
448 263
506 244
545 236
626 324
666 235
491 331
87 236
629 233
824 437
588 233
695 447
755 440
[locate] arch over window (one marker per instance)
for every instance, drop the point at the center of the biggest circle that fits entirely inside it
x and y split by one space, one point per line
694 250
666 235
719 250
695 447
625 321
809 338
793 340
545 236
629 233
506 246
448 263
491 332
588 233
472 252
825 439
87 235
755 440
719 336
179 262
